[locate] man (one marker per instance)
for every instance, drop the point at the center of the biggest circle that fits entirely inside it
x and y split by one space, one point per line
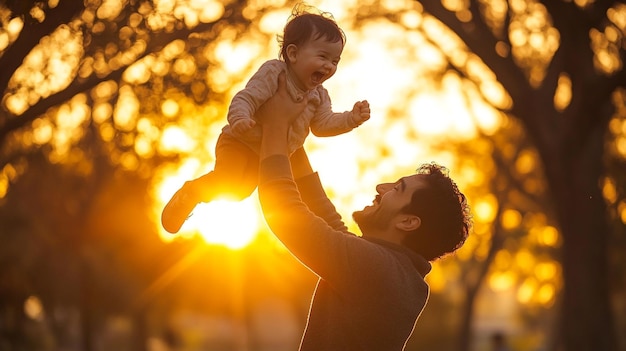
371 289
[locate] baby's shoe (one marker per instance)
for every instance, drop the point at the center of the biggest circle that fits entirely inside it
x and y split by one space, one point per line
178 209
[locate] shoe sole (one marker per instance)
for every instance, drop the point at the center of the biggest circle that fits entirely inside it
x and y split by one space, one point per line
175 213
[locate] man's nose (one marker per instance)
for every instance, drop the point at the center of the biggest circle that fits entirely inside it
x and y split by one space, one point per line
382 188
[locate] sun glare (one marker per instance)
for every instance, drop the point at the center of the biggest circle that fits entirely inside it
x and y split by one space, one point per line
233 224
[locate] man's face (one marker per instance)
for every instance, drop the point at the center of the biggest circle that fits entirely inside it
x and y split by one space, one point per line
389 201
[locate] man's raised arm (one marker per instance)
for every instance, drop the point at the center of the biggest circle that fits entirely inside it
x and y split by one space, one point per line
312 192
308 236
276 116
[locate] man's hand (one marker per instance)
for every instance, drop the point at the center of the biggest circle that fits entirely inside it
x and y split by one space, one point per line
275 117
280 110
242 126
360 112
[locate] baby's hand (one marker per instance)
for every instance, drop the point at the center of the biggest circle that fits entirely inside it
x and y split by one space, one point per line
360 112
242 126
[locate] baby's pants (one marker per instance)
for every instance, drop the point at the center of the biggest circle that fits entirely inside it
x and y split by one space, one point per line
235 175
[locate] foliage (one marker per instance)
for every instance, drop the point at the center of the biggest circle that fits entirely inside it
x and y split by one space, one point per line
95 93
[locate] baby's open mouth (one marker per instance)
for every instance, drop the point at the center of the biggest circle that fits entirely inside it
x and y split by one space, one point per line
317 77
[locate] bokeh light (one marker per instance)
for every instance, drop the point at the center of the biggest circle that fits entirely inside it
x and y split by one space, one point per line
432 100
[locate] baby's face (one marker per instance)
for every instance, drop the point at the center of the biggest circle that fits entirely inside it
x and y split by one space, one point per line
314 62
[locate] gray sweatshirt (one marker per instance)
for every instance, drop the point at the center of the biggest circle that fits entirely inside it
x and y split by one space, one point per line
370 292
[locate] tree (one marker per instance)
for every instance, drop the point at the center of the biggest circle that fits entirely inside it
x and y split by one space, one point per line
538 50
556 69
559 64
84 161
101 57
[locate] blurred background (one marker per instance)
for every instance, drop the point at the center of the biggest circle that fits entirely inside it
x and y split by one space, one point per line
108 106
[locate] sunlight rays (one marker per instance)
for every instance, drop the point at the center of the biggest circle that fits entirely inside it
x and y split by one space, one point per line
225 222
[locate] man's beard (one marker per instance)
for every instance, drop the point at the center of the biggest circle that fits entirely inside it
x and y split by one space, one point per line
368 221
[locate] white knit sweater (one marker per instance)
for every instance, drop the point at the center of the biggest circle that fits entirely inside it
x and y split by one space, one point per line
317 117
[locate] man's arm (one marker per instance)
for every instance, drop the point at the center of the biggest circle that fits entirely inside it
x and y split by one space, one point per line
312 191
310 238
276 116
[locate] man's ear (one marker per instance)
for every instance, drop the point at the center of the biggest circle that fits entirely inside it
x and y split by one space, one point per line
409 223
292 50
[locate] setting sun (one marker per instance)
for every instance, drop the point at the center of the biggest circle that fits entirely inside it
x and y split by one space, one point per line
233 224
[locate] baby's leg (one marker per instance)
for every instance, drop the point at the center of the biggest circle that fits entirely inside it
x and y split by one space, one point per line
235 175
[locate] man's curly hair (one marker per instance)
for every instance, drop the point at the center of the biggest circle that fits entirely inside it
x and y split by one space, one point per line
308 23
444 213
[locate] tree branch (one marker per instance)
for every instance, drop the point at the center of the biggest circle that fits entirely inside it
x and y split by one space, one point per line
481 40
30 35
157 42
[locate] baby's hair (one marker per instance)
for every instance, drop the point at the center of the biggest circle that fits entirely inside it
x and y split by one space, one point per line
308 23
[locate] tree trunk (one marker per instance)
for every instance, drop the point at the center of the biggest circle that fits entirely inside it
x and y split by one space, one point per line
465 335
587 322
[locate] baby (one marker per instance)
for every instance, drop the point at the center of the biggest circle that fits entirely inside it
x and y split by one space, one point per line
311 47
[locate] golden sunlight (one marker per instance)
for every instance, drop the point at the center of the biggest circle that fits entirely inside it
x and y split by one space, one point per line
526 290
436 278
233 224
546 271
48 68
10 33
4 180
485 208
441 113
170 108
549 236
224 222
502 281
33 308
511 219
545 294
174 139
